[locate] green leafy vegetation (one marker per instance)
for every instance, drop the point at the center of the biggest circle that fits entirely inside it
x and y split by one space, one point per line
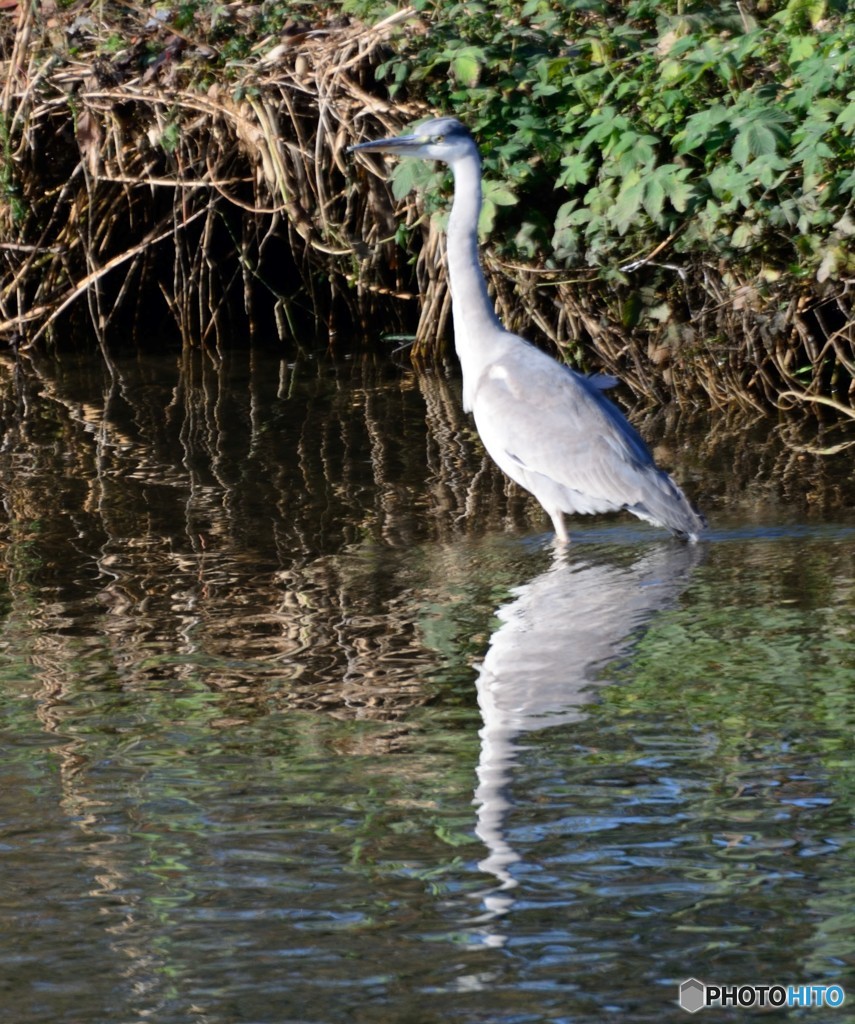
668 187
627 122
682 171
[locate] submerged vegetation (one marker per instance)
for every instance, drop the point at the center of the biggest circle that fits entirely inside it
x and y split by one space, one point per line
669 187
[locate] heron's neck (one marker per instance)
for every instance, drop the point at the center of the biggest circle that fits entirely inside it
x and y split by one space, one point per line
475 320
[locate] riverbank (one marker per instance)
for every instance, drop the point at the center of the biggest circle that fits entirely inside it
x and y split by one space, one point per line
187 168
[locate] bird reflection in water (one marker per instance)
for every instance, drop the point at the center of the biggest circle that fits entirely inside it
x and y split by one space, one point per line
542 668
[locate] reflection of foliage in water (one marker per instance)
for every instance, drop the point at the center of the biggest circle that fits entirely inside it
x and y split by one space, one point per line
756 677
241 612
240 519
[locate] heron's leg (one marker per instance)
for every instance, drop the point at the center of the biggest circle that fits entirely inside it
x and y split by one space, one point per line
561 534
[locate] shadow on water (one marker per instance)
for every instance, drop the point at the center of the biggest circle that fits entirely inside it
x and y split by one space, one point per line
254 615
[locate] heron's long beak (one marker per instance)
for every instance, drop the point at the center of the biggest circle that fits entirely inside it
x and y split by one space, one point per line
388 145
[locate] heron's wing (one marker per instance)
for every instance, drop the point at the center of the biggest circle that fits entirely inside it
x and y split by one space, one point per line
603 381
554 432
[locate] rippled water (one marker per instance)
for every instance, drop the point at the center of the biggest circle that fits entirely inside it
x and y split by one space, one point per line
302 719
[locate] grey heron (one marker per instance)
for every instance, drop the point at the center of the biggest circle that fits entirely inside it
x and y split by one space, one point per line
549 428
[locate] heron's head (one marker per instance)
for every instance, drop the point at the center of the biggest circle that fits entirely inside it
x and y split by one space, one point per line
443 138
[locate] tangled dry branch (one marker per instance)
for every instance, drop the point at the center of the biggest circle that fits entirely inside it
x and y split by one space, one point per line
140 192
120 181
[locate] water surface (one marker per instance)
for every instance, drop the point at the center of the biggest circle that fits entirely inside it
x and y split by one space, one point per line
303 720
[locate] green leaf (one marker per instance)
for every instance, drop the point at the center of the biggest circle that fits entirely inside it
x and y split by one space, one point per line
628 203
731 185
577 170
486 219
633 150
572 215
743 236
466 65
494 194
831 260
654 198
668 181
770 171
801 47
754 140
801 14
680 190
846 118
605 124
498 193
709 128
671 71
412 174
847 185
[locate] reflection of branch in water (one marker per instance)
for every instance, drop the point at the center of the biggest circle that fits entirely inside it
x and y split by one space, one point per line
542 666
466 488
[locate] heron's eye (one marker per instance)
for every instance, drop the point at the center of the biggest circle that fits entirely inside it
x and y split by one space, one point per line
439 138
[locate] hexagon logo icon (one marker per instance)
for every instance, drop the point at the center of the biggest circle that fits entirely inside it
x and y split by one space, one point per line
692 995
